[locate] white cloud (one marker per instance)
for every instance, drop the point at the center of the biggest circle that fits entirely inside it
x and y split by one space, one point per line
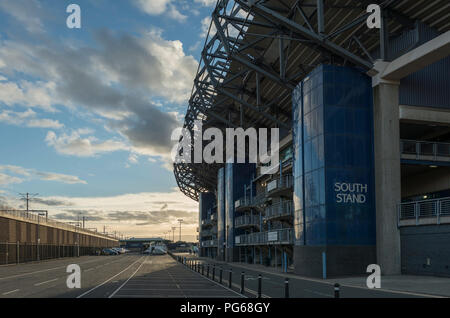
206 3
27 12
206 23
49 176
7 179
30 174
75 145
28 119
121 75
25 93
158 7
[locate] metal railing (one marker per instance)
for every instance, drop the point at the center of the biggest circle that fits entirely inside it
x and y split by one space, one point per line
285 182
282 236
283 208
434 208
205 233
209 243
44 221
250 201
428 149
247 220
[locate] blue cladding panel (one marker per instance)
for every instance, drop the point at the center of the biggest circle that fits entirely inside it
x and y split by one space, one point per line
333 150
221 209
237 176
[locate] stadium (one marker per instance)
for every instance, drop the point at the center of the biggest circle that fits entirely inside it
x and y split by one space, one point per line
364 120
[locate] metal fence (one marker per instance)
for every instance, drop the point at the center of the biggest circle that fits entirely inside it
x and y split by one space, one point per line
250 201
434 208
283 208
425 148
16 253
281 236
247 220
285 182
209 243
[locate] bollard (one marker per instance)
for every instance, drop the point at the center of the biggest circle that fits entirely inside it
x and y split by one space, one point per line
337 290
229 278
214 272
259 285
220 276
203 269
242 283
207 271
286 288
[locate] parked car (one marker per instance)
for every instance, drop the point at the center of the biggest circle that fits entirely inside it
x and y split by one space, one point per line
109 251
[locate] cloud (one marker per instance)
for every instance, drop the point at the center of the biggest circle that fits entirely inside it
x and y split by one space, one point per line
75 145
51 202
159 7
27 12
30 94
120 77
7 179
206 3
206 23
28 119
30 174
138 214
49 176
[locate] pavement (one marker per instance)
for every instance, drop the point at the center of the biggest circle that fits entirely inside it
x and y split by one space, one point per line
273 280
121 276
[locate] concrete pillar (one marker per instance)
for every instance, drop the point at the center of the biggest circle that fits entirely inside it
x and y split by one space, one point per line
387 171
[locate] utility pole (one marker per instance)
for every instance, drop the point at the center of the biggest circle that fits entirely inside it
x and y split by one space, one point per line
27 197
84 219
180 220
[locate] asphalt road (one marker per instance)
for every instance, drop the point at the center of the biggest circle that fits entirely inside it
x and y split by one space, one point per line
131 275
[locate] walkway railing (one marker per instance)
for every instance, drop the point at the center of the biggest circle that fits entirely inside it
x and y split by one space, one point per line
282 236
425 150
425 209
209 243
285 182
247 220
283 208
250 201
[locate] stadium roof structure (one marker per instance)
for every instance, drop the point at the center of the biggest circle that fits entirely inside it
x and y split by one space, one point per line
256 52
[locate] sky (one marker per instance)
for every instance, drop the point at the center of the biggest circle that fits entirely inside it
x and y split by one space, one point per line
86 114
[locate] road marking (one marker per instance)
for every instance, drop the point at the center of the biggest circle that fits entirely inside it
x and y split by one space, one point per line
89 269
48 269
318 293
48 281
112 295
10 292
225 287
92 289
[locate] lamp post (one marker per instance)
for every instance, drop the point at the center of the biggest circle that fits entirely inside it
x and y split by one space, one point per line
173 233
180 220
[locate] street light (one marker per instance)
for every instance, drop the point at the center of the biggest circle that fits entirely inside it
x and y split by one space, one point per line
180 220
173 233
